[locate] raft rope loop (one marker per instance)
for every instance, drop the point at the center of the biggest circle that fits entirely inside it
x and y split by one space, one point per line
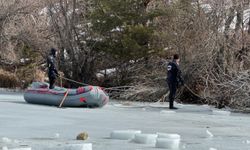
163 98
124 88
80 83
117 88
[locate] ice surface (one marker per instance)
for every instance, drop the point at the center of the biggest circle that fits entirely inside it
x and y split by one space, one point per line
35 125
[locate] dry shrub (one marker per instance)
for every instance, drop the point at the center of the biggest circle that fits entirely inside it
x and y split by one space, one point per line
8 79
28 74
143 93
39 75
234 90
147 82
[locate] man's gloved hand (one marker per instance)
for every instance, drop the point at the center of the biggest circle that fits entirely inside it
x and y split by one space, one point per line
60 74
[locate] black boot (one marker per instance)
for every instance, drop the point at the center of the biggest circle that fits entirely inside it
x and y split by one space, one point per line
171 105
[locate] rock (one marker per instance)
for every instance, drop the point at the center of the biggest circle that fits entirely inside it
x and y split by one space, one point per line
82 136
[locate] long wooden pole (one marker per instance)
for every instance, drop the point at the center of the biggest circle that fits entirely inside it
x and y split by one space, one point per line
66 94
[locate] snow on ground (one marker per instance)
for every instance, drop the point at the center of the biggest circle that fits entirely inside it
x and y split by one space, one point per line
40 127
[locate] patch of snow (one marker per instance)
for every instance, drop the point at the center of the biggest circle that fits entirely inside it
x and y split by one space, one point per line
16 141
99 75
211 148
84 146
159 105
124 134
206 7
89 24
4 148
117 29
209 134
44 11
6 140
167 112
22 60
57 135
129 106
82 33
26 148
108 71
221 112
248 142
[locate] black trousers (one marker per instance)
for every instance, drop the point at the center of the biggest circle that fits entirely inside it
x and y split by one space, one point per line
172 92
52 81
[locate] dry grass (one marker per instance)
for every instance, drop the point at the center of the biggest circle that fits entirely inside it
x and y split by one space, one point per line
39 75
8 79
30 74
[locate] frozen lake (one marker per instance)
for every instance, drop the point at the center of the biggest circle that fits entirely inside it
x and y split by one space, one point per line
50 128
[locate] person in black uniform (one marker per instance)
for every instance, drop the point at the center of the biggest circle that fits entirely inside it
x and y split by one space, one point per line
52 70
174 79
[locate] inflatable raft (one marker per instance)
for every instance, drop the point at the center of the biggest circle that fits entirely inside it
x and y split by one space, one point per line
87 96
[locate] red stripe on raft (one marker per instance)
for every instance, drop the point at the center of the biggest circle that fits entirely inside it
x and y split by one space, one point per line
43 91
80 90
82 99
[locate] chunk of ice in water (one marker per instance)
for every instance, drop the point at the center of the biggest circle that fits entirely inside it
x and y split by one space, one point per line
124 134
169 143
145 138
168 135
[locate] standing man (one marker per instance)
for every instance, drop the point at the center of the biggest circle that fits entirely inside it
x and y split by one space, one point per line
174 78
52 70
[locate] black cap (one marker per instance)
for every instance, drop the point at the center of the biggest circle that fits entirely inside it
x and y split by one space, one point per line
176 56
53 51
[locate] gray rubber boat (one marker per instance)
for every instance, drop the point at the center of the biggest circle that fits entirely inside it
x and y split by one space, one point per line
87 96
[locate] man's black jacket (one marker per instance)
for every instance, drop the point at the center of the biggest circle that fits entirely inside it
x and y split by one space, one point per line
51 62
174 73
